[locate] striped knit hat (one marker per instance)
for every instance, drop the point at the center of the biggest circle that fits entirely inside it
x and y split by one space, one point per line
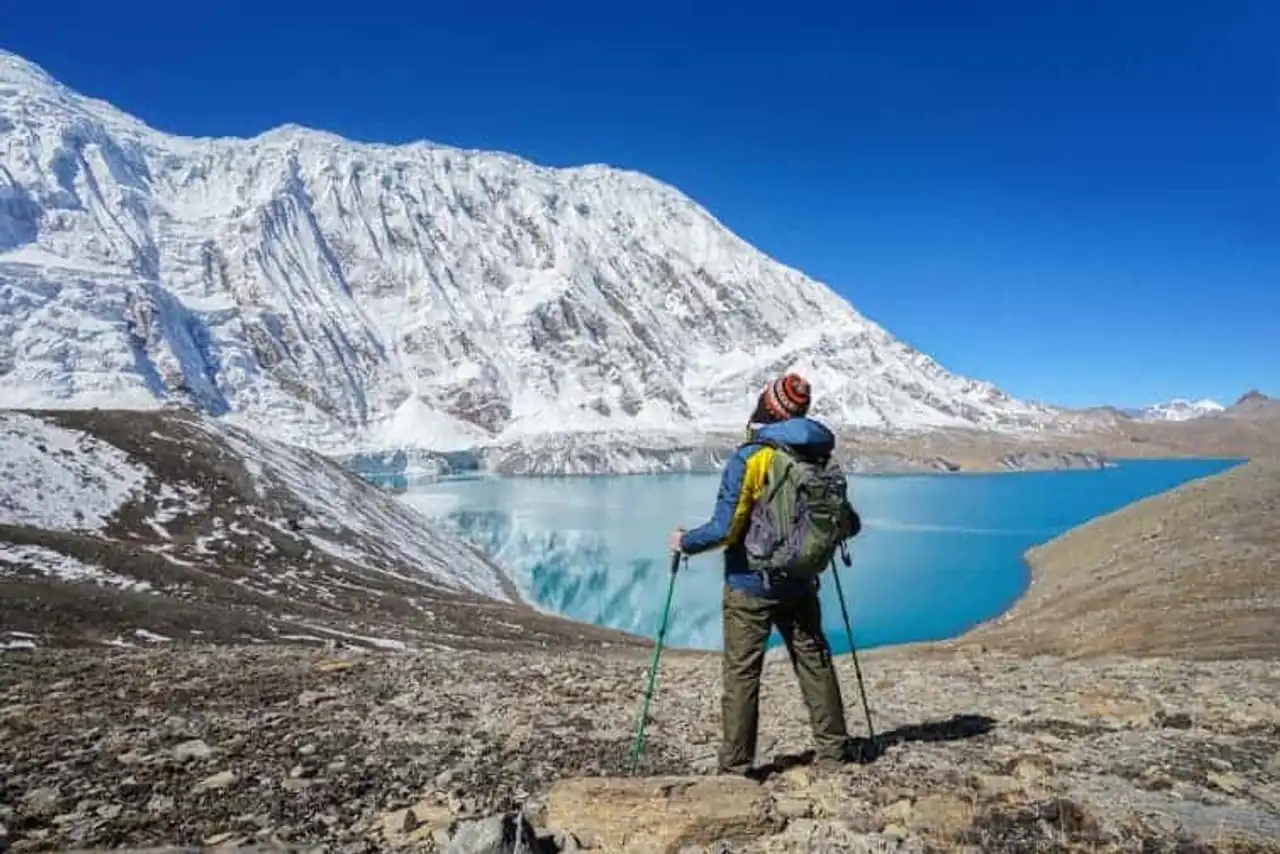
783 398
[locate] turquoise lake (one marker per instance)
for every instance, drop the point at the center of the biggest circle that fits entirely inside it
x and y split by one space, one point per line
937 555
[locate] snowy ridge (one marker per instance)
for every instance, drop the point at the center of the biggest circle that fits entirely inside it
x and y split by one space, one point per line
55 478
352 297
1178 409
144 525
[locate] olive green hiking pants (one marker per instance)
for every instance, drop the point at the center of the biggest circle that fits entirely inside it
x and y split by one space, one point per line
747 622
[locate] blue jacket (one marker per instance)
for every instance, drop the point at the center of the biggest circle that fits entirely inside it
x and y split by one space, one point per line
740 485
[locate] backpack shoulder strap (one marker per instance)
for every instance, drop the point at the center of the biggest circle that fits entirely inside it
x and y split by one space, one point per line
772 486
769 443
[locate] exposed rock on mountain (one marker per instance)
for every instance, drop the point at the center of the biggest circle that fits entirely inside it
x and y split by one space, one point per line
1255 404
355 297
1252 396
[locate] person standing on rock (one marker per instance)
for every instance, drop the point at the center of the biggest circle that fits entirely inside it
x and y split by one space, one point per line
775 545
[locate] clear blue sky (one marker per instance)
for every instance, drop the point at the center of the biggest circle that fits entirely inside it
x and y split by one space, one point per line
1077 200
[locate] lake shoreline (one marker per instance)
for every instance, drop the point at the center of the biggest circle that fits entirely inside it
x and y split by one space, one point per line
379 479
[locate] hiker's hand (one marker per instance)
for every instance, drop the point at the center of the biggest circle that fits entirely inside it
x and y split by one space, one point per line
676 536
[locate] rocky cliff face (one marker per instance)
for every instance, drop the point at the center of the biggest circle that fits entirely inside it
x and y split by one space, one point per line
356 297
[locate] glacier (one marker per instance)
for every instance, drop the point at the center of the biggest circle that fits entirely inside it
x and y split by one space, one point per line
362 298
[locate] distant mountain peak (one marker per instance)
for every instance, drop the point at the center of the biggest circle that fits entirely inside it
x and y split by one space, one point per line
1178 409
1251 396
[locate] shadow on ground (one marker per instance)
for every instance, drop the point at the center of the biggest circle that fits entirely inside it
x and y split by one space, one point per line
864 751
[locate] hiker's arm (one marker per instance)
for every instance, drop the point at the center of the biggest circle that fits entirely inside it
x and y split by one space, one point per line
730 514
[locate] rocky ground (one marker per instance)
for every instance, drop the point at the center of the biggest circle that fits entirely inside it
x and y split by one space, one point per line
378 751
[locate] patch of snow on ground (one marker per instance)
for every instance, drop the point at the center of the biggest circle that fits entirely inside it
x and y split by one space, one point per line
208 545
339 551
177 500
379 643
63 567
60 479
173 560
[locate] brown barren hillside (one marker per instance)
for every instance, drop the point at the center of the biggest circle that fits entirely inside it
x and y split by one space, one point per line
1248 428
1193 573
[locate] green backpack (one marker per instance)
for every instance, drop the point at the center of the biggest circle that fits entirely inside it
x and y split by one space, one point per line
801 519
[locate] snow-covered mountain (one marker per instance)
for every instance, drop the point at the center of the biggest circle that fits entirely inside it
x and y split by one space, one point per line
1178 409
361 297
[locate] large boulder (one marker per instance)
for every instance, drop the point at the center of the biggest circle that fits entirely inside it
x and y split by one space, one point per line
658 815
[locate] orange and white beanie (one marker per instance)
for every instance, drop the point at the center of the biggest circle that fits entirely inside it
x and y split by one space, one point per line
783 398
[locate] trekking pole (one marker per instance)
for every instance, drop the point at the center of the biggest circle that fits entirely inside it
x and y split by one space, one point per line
638 746
848 627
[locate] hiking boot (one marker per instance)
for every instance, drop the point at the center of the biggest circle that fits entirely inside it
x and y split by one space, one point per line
829 762
855 751
750 772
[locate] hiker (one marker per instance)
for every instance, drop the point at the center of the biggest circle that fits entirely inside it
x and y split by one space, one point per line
755 599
